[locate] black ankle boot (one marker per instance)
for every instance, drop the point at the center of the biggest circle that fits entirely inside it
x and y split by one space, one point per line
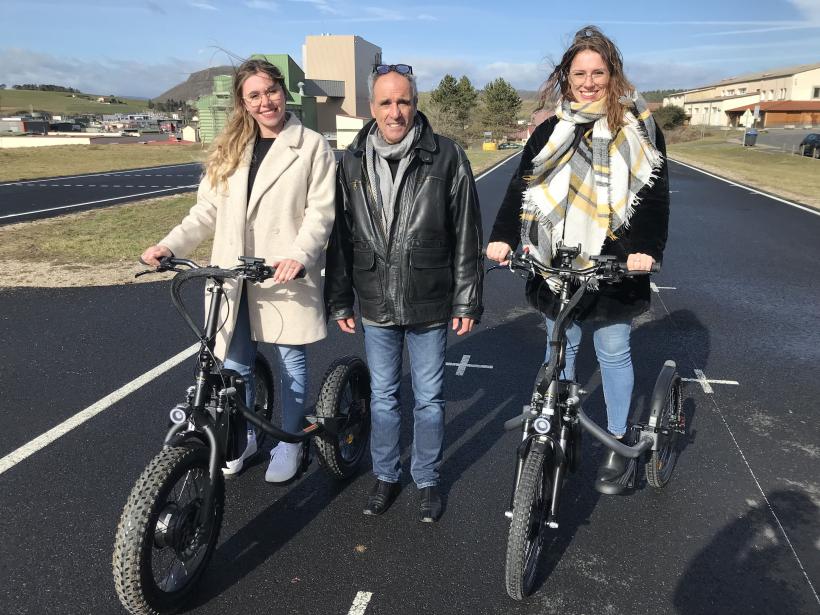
616 474
380 498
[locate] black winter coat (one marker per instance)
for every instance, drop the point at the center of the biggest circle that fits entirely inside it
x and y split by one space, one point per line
646 233
429 268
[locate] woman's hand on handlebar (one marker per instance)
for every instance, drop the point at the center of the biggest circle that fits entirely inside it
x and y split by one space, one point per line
499 251
152 255
286 270
639 262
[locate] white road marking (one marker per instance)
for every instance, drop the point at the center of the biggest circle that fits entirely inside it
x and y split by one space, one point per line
465 363
502 163
657 289
360 603
705 382
116 198
752 190
15 457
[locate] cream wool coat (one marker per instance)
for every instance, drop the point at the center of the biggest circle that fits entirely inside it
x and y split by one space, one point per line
289 215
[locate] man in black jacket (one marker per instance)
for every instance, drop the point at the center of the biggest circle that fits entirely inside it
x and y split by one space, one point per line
407 239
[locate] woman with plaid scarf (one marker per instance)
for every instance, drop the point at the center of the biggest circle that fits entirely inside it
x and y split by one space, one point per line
592 175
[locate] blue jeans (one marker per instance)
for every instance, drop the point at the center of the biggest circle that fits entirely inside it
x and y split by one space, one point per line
292 370
426 347
611 340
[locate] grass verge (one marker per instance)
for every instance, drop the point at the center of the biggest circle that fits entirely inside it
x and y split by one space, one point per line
792 177
101 247
35 162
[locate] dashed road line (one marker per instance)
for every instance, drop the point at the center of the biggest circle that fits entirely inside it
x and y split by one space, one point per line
47 179
360 603
465 363
115 198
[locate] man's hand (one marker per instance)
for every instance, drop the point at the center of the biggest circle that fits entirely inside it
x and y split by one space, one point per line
463 325
348 325
639 262
499 251
152 255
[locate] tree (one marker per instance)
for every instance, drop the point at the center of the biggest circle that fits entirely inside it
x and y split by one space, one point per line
501 104
453 103
670 116
150 104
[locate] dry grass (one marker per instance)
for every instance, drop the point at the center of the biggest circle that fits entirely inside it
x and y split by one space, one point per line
792 177
35 162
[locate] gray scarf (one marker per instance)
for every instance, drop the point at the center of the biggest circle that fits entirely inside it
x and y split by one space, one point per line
377 153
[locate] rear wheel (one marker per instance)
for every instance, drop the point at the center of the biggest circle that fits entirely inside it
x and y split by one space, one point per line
345 395
528 525
263 386
669 422
162 545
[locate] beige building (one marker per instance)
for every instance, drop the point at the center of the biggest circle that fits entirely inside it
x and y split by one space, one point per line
330 59
724 103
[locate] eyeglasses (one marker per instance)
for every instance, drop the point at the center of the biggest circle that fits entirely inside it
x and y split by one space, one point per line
402 69
255 98
599 77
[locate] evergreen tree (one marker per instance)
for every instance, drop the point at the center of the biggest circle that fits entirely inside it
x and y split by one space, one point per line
501 104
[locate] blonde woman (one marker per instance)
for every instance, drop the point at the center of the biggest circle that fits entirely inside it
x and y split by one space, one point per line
594 174
268 191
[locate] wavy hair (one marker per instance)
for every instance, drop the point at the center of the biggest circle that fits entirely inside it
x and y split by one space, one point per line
557 84
228 147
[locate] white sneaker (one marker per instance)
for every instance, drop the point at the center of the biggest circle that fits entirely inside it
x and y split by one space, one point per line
234 466
284 462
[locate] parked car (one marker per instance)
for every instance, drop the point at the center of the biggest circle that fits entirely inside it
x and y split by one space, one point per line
509 145
810 145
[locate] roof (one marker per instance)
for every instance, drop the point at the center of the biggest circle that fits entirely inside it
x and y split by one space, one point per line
781 105
766 74
324 87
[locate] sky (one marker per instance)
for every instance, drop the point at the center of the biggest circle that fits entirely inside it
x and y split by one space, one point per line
144 47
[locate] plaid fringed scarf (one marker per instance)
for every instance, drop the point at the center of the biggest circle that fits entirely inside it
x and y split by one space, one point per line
579 195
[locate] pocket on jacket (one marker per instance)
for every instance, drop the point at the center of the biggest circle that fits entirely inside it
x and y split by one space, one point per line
431 274
366 279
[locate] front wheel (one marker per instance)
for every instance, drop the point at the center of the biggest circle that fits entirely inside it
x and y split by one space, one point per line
163 545
666 416
528 526
263 392
345 395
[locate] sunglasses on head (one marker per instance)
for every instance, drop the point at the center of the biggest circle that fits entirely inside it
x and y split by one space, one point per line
402 69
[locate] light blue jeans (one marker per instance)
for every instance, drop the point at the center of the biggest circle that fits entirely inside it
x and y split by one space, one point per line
611 340
292 370
426 347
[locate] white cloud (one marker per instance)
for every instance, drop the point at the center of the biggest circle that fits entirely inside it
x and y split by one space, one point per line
809 9
263 5
99 76
322 5
205 6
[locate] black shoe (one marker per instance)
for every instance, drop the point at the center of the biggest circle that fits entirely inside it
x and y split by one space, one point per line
381 496
616 475
430 505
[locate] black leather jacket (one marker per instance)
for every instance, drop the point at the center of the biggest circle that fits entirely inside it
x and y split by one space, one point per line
430 267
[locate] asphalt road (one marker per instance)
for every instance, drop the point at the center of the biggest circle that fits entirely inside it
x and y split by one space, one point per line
736 531
44 198
53 196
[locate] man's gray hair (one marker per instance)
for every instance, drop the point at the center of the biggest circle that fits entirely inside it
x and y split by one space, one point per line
414 90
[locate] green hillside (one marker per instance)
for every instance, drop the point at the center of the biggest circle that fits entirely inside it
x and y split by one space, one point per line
62 103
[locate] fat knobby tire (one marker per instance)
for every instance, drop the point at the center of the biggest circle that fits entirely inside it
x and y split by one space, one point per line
133 578
532 480
337 378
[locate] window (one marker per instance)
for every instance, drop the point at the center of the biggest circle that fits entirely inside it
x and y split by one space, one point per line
816 93
741 90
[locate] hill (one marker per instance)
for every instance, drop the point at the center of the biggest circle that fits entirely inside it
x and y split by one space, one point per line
198 84
63 103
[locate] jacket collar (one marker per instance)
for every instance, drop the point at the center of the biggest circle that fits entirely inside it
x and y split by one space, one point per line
425 147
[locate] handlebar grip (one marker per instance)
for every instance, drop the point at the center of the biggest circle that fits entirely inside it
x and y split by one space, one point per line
655 268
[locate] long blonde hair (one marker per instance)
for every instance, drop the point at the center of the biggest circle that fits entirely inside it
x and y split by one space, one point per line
557 84
228 147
